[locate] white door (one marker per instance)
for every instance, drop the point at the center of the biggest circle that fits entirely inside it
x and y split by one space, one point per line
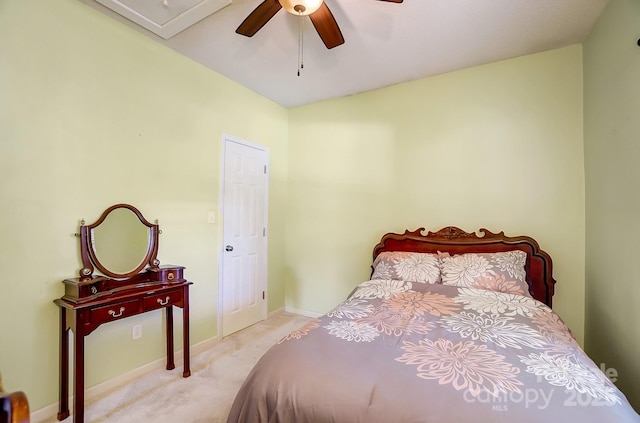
244 248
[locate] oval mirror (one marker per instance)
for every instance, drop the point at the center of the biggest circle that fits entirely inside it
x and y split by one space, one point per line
120 244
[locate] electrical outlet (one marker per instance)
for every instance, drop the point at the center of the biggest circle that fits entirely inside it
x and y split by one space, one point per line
137 331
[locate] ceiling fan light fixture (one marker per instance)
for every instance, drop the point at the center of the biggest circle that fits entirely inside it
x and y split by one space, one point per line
301 7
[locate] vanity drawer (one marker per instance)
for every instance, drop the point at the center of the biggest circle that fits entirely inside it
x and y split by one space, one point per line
164 299
168 273
114 311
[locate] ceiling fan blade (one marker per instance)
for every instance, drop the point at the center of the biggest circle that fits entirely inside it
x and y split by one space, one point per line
327 27
393 1
259 17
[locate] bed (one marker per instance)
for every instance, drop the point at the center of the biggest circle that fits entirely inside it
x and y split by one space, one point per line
452 327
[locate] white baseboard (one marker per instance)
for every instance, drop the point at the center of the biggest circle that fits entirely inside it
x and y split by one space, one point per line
302 312
49 412
291 310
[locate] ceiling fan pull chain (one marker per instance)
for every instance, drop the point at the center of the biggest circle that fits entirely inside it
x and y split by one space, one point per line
300 41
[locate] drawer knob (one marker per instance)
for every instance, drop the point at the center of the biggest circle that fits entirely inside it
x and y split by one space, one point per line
163 303
113 313
170 276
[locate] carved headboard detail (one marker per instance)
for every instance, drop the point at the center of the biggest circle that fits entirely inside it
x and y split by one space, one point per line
454 240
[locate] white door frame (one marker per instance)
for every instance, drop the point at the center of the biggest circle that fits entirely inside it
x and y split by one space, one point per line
224 139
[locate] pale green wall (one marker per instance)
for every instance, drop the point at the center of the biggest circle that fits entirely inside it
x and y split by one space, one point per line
496 146
612 154
93 113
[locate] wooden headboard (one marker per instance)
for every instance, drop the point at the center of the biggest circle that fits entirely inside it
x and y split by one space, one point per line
456 241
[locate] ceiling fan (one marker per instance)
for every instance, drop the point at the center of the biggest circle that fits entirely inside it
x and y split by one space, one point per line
317 10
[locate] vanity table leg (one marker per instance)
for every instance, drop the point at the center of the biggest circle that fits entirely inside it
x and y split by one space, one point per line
185 332
78 376
63 407
170 359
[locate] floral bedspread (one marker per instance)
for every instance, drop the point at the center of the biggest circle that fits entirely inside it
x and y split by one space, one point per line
399 351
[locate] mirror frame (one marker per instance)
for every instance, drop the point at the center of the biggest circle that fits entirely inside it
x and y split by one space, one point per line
90 261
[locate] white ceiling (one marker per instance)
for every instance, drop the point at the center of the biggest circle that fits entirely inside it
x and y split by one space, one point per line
385 43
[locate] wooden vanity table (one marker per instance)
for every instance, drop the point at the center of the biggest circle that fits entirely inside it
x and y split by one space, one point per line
141 286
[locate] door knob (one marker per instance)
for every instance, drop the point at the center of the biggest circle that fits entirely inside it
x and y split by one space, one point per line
229 248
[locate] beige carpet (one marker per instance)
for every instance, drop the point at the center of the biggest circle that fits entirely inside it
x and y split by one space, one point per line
216 375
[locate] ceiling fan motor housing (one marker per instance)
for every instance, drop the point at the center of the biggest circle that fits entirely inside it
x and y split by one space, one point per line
301 7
